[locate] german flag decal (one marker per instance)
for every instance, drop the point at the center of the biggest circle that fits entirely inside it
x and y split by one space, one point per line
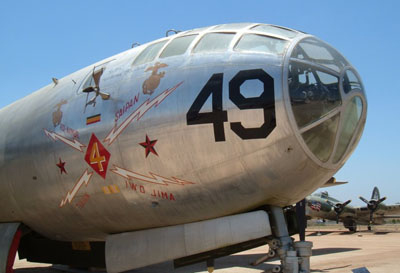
93 119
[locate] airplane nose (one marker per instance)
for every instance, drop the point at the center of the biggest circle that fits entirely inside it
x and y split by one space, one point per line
327 104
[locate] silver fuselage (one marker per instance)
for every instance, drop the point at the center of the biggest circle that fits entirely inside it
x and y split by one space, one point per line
193 177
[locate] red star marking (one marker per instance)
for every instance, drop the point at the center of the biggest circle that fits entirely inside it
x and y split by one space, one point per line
61 165
97 156
149 146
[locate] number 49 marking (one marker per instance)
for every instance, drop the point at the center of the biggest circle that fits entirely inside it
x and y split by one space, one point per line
218 116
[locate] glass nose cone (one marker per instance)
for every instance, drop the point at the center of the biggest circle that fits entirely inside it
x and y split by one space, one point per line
327 100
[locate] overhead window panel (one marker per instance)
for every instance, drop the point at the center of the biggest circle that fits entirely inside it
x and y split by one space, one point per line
232 26
318 52
214 42
261 44
178 46
149 53
275 30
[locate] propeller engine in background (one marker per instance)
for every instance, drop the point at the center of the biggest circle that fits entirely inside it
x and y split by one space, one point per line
373 204
338 208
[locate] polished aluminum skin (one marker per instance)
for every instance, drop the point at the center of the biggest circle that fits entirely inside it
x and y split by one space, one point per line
130 250
122 145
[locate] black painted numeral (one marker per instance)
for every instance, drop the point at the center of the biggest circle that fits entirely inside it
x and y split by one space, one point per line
217 117
265 101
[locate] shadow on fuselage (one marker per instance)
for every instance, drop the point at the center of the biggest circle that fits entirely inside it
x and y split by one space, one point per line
238 261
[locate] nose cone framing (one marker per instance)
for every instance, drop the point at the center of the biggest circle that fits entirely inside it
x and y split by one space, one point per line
326 101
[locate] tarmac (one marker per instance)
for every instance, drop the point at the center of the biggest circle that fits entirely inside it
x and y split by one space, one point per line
335 250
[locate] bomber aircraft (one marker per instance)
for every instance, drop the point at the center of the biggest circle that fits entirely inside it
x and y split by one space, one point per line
322 206
183 149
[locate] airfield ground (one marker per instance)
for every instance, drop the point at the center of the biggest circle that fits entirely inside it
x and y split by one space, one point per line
335 250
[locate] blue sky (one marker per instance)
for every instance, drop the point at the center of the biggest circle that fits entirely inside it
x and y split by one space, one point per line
44 39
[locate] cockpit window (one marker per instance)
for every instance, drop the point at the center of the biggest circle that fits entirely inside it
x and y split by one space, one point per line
321 138
261 44
232 26
196 30
178 46
214 42
351 117
328 119
149 54
275 30
350 82
312 50
313 93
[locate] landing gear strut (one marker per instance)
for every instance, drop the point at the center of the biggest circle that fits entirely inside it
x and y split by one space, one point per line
295 257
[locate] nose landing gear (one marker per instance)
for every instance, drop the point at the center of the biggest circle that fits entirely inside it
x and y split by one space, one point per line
294 256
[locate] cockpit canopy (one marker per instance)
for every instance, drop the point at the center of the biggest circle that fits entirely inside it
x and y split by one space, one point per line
241 37
326 96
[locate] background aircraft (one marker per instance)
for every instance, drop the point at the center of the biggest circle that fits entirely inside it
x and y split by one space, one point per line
177 149
322 206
